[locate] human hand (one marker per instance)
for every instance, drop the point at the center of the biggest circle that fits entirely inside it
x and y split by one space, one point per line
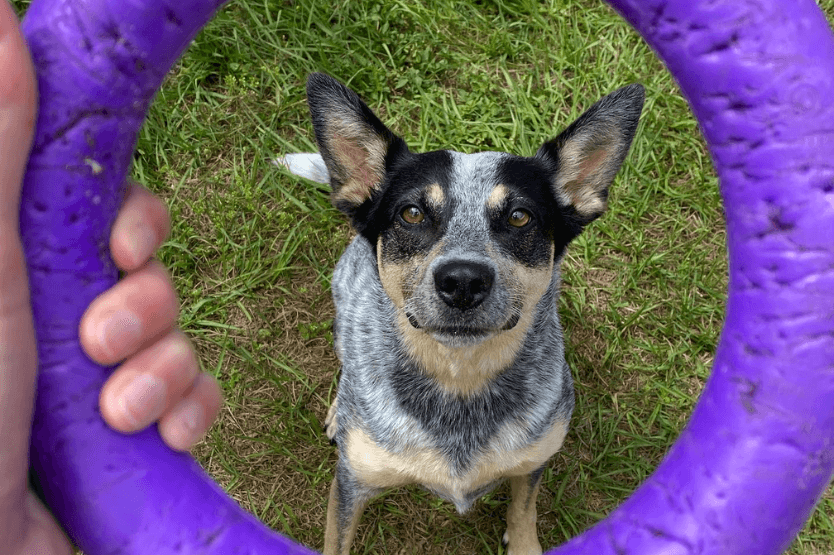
134 322
186 401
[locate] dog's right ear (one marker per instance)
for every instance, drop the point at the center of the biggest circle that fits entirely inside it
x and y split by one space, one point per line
355 145
588 154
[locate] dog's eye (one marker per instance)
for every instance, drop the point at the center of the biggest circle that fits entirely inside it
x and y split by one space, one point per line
413 215
519 218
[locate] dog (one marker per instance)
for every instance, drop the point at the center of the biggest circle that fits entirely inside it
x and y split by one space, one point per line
453 373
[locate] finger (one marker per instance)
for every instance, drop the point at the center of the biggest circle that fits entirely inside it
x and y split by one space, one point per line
17 346
149 383
44 534
193 415
18 102
129 315
140 228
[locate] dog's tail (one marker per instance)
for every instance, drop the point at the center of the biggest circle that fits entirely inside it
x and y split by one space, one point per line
308 165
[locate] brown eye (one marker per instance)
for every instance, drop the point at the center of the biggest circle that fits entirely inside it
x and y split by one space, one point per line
519 218
413 215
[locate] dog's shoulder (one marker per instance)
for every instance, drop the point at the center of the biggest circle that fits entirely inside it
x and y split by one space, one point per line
355 271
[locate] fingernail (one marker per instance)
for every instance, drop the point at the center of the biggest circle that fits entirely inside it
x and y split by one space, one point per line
143 400
190 419
119 333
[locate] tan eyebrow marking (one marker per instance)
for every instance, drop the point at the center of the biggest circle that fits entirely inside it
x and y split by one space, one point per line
435 195
497 196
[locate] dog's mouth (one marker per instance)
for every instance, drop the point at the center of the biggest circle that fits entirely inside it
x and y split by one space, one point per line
465 332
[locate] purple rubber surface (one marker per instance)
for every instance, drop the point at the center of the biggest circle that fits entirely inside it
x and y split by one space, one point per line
757 452
99 63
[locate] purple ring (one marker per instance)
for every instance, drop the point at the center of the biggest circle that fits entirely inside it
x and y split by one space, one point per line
756 454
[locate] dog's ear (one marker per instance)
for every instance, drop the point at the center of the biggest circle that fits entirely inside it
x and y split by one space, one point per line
356 147
588 154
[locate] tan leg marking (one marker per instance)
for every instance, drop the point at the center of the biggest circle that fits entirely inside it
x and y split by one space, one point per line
521 536
338 541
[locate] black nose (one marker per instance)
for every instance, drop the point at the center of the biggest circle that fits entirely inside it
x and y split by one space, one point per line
463 284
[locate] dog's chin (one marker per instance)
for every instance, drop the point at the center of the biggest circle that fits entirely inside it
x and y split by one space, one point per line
462 336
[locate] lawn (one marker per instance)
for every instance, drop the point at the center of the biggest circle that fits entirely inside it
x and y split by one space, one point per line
253 248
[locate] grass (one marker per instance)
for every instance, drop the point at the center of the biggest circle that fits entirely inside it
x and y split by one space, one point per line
252 248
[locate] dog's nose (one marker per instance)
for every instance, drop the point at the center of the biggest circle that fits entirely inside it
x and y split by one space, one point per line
463 284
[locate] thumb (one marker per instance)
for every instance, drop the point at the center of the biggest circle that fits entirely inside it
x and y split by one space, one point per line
18 357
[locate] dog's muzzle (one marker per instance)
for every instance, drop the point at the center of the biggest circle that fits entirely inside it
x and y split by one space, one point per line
464 285
461 331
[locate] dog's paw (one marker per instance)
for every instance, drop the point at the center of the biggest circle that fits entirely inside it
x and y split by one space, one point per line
330 422
529 547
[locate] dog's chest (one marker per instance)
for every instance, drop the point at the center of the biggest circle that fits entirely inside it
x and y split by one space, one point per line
421 462
412 431
398 425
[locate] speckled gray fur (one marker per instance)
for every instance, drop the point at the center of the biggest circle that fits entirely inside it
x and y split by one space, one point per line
447 227
382 392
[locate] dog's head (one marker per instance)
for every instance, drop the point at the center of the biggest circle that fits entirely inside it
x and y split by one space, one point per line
466 243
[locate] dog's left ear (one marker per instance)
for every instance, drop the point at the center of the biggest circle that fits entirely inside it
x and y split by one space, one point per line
355 145
588 154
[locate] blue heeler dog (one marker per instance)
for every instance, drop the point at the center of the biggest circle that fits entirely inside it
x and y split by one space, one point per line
453 370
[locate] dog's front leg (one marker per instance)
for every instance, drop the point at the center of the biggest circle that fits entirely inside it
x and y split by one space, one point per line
348 499
521 537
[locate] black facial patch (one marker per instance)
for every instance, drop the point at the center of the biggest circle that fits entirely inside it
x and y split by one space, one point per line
407 183
528 189
529 182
